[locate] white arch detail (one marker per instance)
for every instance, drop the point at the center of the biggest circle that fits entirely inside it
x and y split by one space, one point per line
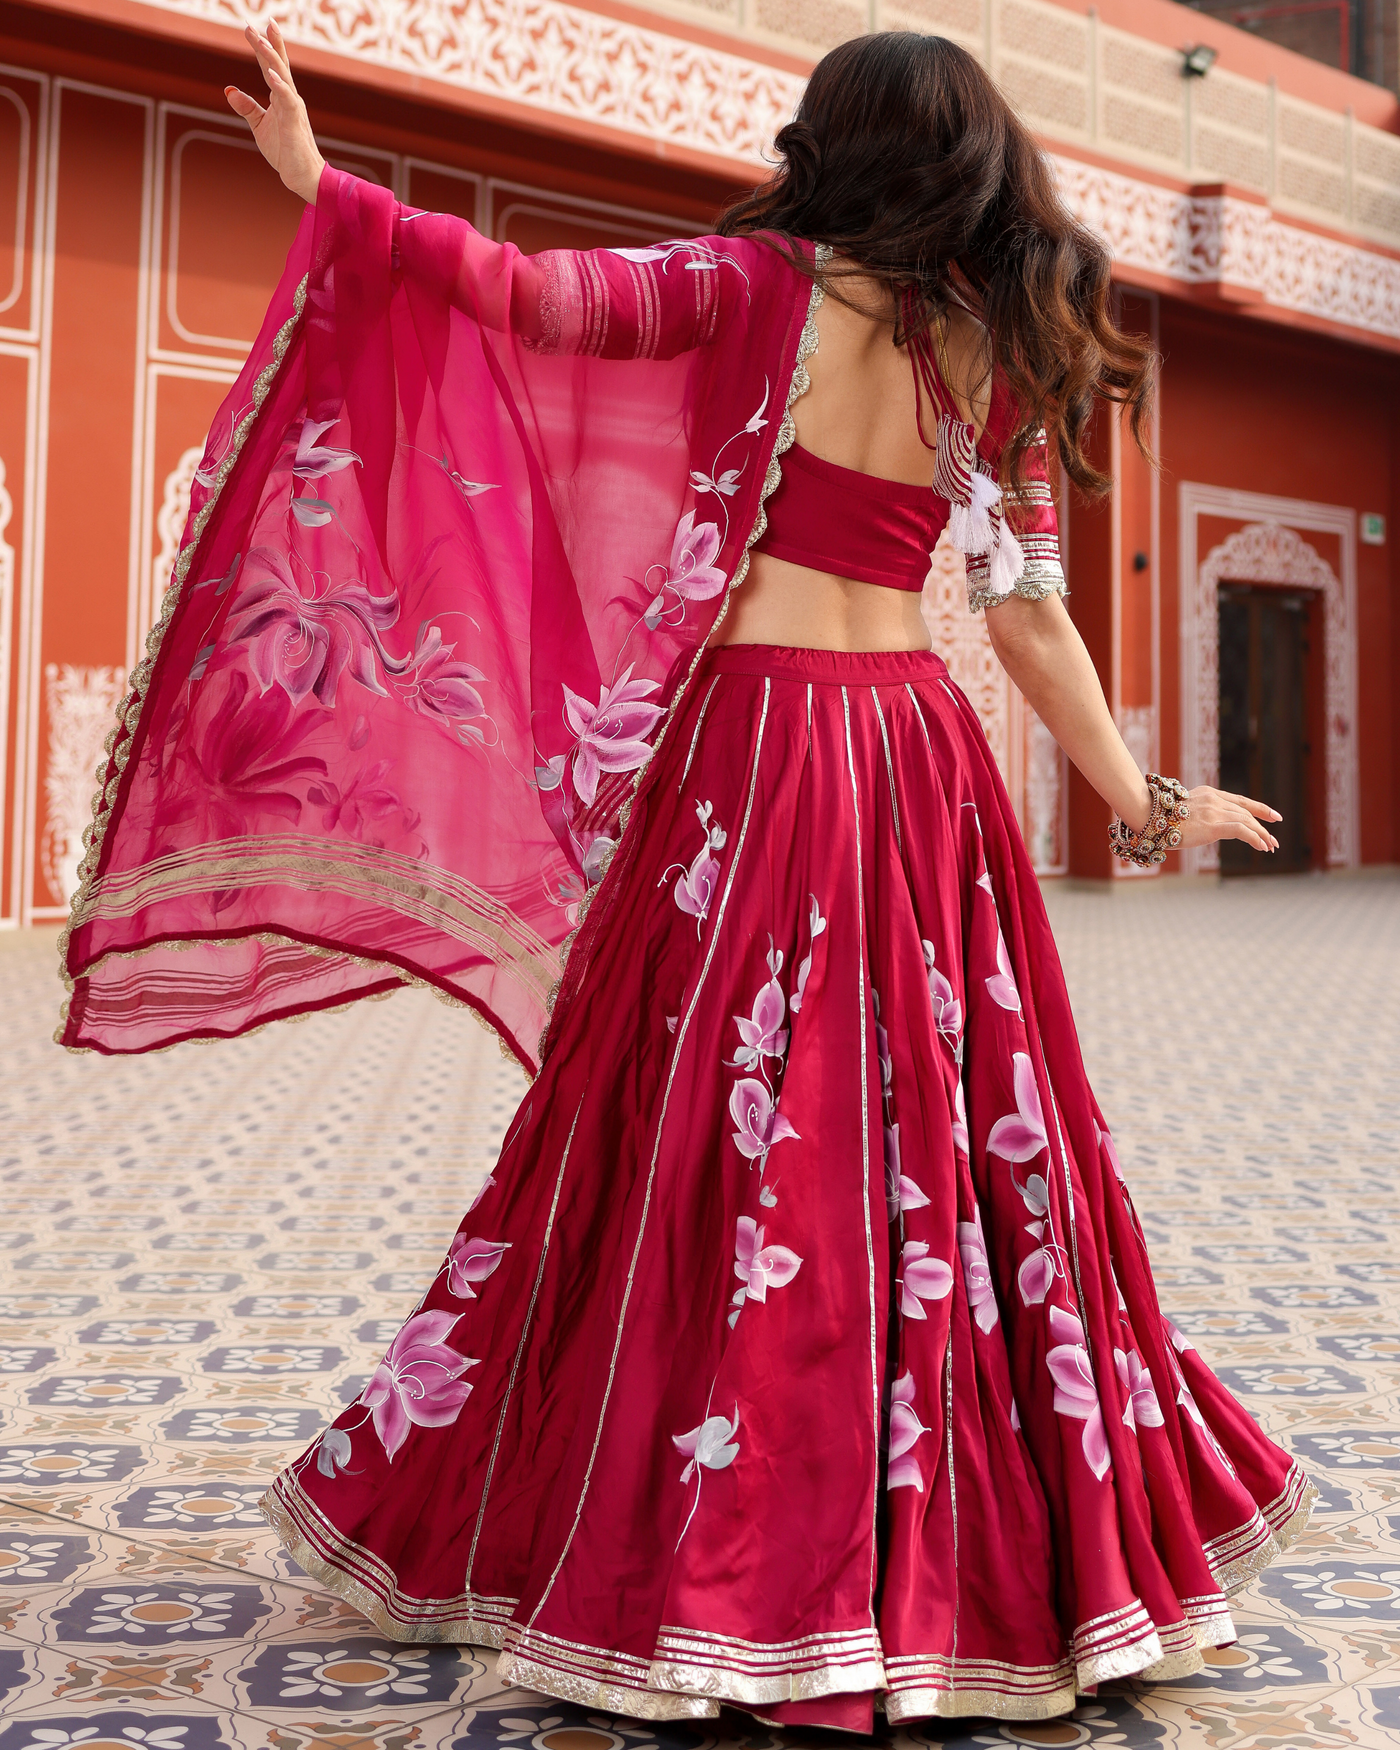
1270 552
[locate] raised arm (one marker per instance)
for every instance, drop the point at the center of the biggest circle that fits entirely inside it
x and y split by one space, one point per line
1040 648
282 130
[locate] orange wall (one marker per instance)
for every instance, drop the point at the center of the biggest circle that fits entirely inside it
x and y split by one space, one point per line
1304 417
152 237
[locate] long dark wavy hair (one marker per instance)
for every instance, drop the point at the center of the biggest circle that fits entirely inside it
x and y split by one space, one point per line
906 159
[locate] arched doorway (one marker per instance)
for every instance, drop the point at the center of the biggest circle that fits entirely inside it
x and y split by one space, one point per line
1271 555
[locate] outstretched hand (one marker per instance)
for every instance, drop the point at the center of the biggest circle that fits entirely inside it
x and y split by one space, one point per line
1220 814
282 130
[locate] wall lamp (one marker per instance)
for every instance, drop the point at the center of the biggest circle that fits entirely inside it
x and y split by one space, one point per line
1197 61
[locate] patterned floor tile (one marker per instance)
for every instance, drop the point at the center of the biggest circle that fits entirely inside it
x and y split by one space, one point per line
196 1272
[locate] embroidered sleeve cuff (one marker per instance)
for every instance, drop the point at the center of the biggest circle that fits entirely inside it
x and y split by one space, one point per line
1040 578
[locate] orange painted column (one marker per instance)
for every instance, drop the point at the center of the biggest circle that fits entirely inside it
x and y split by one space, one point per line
102 159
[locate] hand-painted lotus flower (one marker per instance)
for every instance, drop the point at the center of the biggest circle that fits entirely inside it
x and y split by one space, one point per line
440 689
901 1193
977 1273
697 882
610 733
921 1278
332 1451
303 639
711 1446
760 1124
472 1260
1001 986
418 1383
1142 1409
1020 1136
960 1136
905 1428
762 1033
692 572
1076 1395
947 1010
760 1267
313 459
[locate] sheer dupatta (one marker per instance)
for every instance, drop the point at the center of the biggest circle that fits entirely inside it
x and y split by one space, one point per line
460 526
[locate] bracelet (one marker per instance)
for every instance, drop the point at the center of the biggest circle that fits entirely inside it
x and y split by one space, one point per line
1163 830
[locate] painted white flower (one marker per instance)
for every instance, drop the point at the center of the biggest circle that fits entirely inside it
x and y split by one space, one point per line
1142 1408
711 1446
332 1451
905 1428
1076 1395
759 1267
1020 1136
947 1010
977 1273
921 1278
1001 986
472 1260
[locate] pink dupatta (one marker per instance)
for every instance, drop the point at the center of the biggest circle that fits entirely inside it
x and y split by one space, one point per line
459 529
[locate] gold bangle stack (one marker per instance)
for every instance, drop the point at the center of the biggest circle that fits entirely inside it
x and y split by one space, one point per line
1162 833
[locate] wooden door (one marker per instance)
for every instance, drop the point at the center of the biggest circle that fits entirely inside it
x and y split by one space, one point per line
1265 731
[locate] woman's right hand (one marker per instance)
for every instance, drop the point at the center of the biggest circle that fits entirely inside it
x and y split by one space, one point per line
1220 814
283 129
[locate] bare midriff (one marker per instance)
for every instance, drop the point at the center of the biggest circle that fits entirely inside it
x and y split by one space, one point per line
859 413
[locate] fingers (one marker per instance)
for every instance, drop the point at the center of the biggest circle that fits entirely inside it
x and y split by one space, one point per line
271 54
278 44
241 104
1247 829
1260 810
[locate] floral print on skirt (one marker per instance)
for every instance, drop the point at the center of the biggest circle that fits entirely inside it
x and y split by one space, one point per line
802 1351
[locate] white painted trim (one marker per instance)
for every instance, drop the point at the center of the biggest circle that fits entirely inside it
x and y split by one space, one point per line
548 205
32 599
140 436
21 195
38 140
1199 645
172 257
7 630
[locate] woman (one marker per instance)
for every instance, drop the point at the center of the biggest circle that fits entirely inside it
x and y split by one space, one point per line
801 1352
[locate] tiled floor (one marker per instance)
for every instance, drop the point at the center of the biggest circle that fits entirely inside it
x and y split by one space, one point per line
201 1254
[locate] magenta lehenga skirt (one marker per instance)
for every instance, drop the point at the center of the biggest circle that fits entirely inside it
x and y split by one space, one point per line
802 1353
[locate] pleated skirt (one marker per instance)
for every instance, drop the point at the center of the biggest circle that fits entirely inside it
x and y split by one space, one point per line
802 1352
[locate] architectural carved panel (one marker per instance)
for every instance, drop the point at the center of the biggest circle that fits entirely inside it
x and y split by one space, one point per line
548 56
82 705
1213 239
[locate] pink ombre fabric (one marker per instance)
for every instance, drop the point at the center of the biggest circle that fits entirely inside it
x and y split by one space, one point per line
801 1351
457 523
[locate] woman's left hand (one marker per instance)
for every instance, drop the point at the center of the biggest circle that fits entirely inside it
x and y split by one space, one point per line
1220 814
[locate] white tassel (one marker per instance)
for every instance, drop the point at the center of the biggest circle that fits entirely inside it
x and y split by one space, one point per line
970 525
1008 562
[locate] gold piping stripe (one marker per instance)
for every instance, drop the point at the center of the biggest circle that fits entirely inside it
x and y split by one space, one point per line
865 1154
677 1047
357 871
520 1347
995 1704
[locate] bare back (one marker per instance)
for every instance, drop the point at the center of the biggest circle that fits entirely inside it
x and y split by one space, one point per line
859 413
